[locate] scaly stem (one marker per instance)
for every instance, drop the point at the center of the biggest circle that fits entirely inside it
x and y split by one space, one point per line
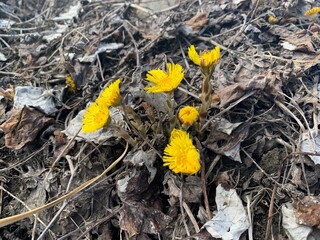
205 98
171 116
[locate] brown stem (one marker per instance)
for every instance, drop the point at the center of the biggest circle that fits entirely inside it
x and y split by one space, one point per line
204 190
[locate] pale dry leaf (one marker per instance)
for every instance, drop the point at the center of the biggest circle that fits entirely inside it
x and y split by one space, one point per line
230 220
293 230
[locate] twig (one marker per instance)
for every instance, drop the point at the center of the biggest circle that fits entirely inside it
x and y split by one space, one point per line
250 230
270 214
204 189
181 207
192 218
189 93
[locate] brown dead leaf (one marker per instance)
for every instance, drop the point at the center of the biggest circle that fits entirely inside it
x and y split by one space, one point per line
23 126
197 22
301 40
307 210
60 141
267 83
139 219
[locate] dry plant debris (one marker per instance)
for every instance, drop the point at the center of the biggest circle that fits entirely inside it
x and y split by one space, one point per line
159 119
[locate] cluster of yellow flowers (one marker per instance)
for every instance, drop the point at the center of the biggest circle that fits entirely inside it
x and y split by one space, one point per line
96 115
180 155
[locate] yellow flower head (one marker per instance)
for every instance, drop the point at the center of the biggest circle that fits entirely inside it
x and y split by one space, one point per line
272 19
164 81
95 117
110 96
71 84
206 59
313 12
180 155
188 115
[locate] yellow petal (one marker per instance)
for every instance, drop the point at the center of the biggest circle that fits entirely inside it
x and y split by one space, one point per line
193 55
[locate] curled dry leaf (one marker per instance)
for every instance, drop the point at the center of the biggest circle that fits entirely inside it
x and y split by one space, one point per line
134 188
23 127
140 158
35 97
139 219
231 219
267 83
301 42
231 146
195 24
140 212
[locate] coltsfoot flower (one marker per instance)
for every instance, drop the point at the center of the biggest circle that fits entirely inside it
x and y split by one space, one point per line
206 59
162 81
110 96
313 12
71 84
180 155
188 115
272 19
95 117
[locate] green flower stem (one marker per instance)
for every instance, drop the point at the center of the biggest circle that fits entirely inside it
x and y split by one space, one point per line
171 116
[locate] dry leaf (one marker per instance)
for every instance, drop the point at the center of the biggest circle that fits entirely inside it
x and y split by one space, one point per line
197 22
139 219
23 127
267 83
191 191
231 145
307 211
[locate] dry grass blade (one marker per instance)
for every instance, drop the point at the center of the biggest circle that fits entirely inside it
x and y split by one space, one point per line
15 218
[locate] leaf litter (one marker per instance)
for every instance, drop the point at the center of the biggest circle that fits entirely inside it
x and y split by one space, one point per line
259 137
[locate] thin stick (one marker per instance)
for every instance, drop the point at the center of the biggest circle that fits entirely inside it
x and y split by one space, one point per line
190 215
181 208
204 189
270 213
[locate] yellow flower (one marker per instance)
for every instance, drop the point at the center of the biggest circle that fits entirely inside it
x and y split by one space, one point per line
164 81
71 84
188 115
272 19
206 59
180 155
110 96
313 12
95 117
